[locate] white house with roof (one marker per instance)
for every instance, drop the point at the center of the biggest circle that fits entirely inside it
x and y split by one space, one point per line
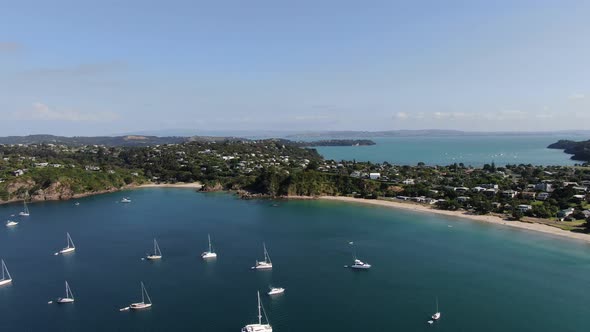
374 176
543 196
509 193
524 208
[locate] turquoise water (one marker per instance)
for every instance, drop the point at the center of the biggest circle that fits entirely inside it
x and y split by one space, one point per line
487 278
470 150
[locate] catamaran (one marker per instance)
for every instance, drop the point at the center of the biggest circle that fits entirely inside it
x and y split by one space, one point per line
266 264
142 304
157 253
70 246
11 223
358 264
209 253
25 212
259 327
69 296
276 290
6 278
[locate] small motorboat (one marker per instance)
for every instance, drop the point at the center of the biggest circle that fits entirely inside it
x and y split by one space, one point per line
358 264
11 223
276 290
125 200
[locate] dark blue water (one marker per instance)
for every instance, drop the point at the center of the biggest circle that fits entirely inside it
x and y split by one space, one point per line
487 278
470 150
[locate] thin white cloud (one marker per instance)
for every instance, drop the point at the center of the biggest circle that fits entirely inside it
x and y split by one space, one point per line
401 115
42 112
576 96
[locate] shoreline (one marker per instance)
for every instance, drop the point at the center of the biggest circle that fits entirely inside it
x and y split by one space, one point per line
179 185
490 219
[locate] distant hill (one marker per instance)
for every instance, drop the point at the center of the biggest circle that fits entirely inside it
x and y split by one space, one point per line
427 133
579 150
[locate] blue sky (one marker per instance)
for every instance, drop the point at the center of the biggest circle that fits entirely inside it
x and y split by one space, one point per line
107 67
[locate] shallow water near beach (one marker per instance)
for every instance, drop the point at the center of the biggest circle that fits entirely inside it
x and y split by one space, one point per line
486 277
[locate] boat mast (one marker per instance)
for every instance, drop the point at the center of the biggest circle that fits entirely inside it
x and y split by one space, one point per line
69 239
266 256
209 237
155 246
259 307
4 268
437 304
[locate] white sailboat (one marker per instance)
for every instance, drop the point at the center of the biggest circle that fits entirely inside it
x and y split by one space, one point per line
6 278
11 223
70 246
25 212
143 304
157 253
436 315
266 264
258 327
357 263
209 253
69 296
125 200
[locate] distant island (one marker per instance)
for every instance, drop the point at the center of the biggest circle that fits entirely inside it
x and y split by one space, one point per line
578 150
143 140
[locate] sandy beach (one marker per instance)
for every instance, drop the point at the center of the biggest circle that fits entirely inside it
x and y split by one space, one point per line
191 185
464 215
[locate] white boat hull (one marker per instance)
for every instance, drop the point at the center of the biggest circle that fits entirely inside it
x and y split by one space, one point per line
257 328
436 316
153 257
361 267
24 214
207 255
11 224
139 306
276 291
66 250
5 282
65 300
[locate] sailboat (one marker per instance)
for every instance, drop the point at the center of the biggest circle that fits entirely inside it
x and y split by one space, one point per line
436 315
358 264
69 296
25 212
258 327
6 278
266 264
142 304
11 223
70 246
157 253
125 200
210 253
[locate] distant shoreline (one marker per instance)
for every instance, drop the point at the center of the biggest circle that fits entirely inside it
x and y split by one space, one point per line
491 219
189 185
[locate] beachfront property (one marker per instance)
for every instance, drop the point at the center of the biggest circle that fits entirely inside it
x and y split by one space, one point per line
561 215
509 193
524 208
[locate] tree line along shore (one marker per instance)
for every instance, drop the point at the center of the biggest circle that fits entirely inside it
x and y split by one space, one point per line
554 195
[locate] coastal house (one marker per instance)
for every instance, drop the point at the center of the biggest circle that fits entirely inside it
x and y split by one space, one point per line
478 189
528 194
18 172
586 214
524 208
580 189
585 183
543 196
567 184
509 193
463 199
491 191
408 181
420 199
544 186
92 168
490 186
374 176
580 197
461 189
41 165
565 213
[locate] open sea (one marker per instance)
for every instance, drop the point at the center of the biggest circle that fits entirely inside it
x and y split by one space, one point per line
470 150
486 277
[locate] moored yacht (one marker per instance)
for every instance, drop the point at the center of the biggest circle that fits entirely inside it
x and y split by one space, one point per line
357 263
70 246
258 327
157 253
436 315
69 296
6 278
266 264
143 304
11 223
210 253
276 290
125 200
25 212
